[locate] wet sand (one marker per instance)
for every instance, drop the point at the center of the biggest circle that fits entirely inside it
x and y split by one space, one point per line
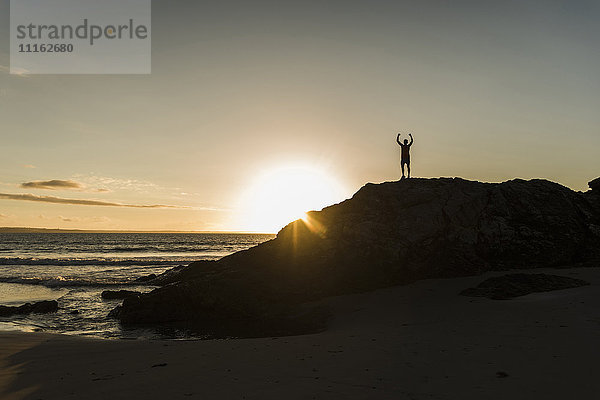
420 341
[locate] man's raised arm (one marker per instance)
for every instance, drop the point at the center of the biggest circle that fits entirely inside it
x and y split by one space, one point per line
398 140
411 139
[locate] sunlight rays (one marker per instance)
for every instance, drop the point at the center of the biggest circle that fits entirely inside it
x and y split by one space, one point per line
285 194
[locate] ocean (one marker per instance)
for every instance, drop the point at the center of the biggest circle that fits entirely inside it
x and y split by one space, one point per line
74 269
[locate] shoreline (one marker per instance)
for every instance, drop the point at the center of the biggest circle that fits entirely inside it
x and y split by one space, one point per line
74 271
420 340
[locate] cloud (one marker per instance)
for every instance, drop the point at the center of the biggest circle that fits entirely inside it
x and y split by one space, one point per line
79 202
117 183
59 184
30 166
3 216
74 219
84 219
54 184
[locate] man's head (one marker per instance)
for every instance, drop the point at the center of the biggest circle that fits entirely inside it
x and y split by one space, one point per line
405 141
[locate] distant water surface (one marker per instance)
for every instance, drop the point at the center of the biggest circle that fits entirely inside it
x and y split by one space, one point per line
74 268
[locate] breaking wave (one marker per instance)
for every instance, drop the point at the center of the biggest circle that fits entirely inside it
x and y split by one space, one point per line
59 281
100 261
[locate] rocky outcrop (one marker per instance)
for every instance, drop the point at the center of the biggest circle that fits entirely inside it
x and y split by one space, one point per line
118 294
144 279
515 285
228 307
40 307
386 234
115 312
595 185
169 276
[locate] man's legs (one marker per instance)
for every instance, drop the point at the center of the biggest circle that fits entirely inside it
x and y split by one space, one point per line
402 164
408 167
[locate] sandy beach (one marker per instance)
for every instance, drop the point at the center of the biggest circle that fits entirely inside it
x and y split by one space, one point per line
420 341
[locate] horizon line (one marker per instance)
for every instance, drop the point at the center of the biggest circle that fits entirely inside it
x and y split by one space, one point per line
76 230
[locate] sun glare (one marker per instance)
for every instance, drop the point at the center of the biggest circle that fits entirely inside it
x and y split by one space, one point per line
282 195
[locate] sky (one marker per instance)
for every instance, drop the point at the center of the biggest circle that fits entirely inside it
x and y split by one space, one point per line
241 92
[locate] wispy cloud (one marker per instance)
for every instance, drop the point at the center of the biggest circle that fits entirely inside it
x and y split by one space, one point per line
30 166
3 216
130 184
60 184
115 184
80 202
84 219
54 184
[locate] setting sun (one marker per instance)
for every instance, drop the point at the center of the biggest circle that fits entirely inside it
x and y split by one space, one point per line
285 194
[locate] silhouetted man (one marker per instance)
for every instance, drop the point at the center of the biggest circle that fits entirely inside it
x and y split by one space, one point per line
405 154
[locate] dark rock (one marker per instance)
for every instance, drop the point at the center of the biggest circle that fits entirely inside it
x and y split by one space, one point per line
119 294
595 185
226 308
147 278
386 234
115 312
514 285
44 307
169 276
41 307
173 275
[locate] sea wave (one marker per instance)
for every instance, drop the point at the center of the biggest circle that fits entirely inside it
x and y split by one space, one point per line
59 281
91 261
102 261
159 249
